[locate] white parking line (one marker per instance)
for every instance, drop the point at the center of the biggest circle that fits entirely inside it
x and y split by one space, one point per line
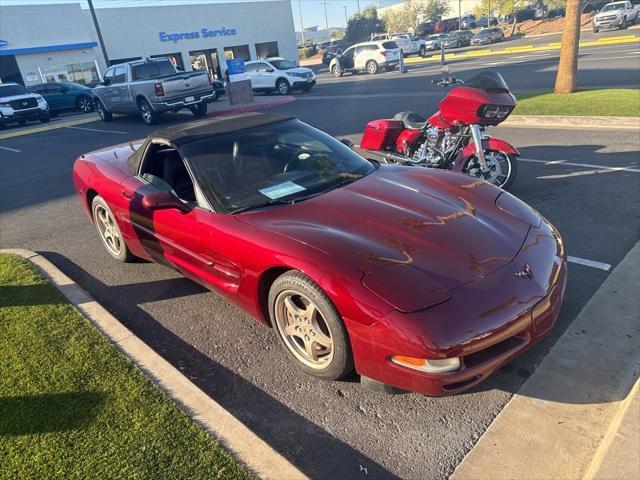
96 130
583 165
15 150
589 263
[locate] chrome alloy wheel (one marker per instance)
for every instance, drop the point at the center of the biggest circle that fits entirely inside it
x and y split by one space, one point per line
499 165
303 329
146 113
109 231
85 105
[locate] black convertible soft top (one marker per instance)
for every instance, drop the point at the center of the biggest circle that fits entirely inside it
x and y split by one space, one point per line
191 132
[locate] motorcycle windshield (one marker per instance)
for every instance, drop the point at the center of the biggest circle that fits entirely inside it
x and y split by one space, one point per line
490 80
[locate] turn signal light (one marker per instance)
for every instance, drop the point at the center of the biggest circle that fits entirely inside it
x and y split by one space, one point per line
159 89
428 365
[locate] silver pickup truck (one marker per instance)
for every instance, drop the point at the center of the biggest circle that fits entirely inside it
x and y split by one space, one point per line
150 87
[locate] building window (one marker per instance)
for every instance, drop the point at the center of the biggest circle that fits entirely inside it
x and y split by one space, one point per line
175 58
206 60
82 73
238 51
266 50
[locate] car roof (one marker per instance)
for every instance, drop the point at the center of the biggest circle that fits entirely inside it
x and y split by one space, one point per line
192 132
10 83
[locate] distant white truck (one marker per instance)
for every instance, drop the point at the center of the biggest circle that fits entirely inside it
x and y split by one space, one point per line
408 43
615 15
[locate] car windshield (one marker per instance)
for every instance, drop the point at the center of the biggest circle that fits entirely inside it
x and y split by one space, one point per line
11 90
483 32
280 163
283 64
613 6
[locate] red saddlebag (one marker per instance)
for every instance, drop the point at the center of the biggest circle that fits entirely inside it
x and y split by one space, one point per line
381 134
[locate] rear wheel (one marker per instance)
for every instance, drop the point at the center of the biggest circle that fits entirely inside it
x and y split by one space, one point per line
104 115
146 112
45 118
309 326
372 67
502 168
109 230
199 110
336 72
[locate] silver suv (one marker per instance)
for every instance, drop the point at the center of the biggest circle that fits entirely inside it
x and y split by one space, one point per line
17 105
368 56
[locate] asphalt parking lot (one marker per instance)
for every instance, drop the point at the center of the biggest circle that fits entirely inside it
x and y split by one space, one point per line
338 429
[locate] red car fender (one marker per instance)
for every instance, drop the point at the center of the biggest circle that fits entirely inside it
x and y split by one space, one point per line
490 144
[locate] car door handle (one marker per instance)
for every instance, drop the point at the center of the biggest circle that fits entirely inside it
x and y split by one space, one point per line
128 194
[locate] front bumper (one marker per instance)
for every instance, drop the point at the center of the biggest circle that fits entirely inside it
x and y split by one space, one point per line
608 23
9 115
486 323
484 41
302 83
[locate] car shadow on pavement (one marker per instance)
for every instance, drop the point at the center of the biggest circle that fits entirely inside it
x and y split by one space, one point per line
312 449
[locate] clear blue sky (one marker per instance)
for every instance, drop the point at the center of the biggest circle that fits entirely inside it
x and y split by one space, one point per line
312 10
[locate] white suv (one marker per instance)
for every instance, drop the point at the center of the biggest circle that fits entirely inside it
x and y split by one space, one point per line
408 43
368 56
280 75
17 105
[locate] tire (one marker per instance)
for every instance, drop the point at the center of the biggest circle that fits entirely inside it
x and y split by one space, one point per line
199 110
84 104
504 183
372 67
22 122
489 41
45 119
595 30
104 221
3 126
283 87
623 25
146 112
390 68
422 52
104 115
321 334
337 73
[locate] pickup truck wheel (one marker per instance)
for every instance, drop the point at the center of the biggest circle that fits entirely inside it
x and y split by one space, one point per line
146 112
199 110
283 87
623 25
104 115
422 52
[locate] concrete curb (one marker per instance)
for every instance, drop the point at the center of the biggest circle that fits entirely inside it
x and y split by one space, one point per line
573 122
250 107
558 424
245 445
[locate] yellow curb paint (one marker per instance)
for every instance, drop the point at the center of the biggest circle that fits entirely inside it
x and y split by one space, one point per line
20 133
526 48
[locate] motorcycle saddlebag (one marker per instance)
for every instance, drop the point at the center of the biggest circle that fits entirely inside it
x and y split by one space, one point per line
381 134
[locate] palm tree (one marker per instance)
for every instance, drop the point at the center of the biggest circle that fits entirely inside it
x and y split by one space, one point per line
567 69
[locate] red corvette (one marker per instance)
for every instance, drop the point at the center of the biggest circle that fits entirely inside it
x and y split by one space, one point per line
420 279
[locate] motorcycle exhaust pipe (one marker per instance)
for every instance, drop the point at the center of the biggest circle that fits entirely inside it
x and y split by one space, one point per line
476 134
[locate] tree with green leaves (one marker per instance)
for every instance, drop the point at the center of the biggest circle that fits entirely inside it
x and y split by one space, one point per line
361 25
408 16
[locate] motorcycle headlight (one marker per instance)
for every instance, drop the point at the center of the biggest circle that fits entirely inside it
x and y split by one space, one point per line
494 111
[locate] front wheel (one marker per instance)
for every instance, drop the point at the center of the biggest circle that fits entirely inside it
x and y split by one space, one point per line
422 52
623 25
283 87
502 168
336 72
309 326
104 115
109 231
84 104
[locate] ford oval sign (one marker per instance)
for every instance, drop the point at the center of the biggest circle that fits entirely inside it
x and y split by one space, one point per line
4 43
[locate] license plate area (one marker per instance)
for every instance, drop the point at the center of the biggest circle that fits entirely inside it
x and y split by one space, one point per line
189 99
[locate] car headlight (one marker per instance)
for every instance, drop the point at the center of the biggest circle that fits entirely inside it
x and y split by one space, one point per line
4 104
428 365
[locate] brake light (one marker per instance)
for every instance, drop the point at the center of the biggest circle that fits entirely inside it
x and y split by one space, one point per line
384 53
159 89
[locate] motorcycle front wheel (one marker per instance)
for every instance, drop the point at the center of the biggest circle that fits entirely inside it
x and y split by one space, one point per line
502 168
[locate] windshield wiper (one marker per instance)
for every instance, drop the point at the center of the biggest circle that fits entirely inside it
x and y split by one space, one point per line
275 201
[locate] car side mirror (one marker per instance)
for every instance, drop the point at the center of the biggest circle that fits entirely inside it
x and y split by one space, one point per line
269 70
162 200
347 141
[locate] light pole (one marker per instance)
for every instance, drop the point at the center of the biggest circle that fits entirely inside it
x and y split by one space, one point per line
459 14
301 25
358 3
326 20
95 24
346 18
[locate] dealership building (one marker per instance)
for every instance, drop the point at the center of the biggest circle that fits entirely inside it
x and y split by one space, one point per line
58 42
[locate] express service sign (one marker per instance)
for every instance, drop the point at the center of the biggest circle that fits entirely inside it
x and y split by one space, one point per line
202 33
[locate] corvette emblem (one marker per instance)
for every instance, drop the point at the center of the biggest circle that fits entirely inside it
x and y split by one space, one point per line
525 272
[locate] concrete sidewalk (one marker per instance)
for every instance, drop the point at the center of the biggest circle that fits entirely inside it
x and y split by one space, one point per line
578 415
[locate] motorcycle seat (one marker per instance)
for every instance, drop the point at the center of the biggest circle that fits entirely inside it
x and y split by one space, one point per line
411 120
